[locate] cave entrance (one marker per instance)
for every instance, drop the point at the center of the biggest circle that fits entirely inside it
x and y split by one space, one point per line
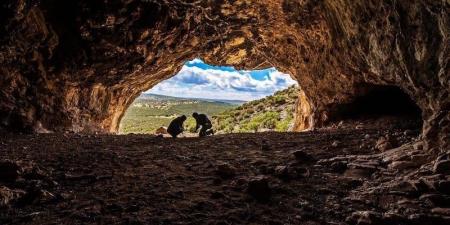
383 105
235 101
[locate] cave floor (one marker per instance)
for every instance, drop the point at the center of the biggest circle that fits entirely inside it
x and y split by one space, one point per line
143 179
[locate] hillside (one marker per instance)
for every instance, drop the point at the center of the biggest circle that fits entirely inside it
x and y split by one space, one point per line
149 112
274 112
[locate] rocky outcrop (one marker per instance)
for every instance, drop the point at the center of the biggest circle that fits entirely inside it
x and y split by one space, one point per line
77 65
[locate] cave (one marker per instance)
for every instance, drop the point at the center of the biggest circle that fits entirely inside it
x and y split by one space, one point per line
79 71
378 102
69 70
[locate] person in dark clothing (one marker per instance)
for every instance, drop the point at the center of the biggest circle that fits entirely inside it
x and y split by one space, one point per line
176 126
203 122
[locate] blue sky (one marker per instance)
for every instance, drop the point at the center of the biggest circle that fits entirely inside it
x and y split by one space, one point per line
199 80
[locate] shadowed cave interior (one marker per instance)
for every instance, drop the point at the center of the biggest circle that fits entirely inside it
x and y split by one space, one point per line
378 101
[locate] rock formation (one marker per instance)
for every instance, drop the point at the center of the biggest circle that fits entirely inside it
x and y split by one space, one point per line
76 65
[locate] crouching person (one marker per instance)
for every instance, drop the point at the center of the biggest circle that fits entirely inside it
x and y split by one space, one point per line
176 126
205 124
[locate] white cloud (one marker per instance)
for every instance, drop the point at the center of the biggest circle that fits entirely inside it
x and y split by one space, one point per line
219 84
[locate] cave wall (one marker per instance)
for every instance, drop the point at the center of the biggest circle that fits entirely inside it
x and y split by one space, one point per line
76 65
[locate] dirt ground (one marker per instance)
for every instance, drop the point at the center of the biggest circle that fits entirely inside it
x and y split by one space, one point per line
264 178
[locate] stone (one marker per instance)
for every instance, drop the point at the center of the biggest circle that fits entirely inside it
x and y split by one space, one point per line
442 167
401 165
9 196
418 146
364 218
441 211
420 185
385 143
302 156
225 170
436 200
9 171
161 131
338 167
443 186
408 132
420 159
283 172
335 144
258 188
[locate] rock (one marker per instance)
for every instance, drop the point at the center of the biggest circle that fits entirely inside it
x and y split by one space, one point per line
356 170
420 186
339 167
335 144
9 171
364 218
401 165
441 211
418 146
258 187
443 186
282 172
436 200
420 159
161 131
302 156
385 143
8 196
367 136
225 170
442 167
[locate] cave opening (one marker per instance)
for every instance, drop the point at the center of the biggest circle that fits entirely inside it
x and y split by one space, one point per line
384 103
236 101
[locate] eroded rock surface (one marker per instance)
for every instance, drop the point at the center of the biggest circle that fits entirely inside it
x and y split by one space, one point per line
76 65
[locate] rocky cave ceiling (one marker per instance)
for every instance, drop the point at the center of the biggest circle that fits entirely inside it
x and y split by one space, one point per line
76 65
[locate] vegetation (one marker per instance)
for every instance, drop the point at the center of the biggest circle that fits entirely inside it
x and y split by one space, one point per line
149 112
273 113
